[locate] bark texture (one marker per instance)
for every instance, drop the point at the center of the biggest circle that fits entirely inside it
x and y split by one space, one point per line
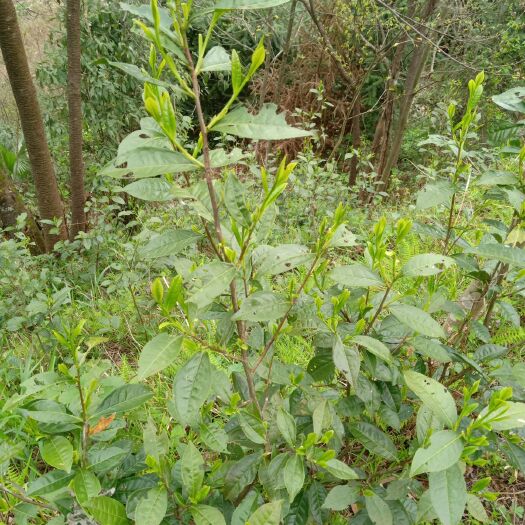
76 162
49 201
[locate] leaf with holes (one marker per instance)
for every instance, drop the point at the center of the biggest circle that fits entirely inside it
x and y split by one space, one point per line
434 395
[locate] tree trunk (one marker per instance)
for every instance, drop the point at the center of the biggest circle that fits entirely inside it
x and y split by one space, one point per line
419 58
49 202
76 163
11 206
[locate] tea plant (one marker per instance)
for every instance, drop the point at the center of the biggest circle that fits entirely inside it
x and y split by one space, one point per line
406 398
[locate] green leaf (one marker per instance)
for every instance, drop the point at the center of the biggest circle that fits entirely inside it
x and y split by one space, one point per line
206 515
150 189
169 243
347 360
501 252
214 279
426 264
266 125
107 511
192 469
286 426
47 411
248 4
48 483
261 306
191 387
508 417
104 459
158 354
496 178
123 399
341 497
434 194
236 72
476 509
57 452
214 437
85 485
153 507
243 511
267 514
134 71
282 259
235 200
378 510
252 427
294 475
448 493
356 276
434 395
417 319
444 451
432 349
512 100
240 475
150 161
340 470
374 440
216 59
374 346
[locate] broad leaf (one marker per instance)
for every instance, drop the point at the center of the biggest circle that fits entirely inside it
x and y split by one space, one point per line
347 360
268 514
426 264
448 493
216 59
191 387
341 497
168 243
434 395
262 306
286 426
207 515
107 511
374 346
253 427
150 189
356 276
214 279
506 254
475 508
214 437
512 100
417 319
57 452
374 440
123 399
294 475
85 485
145 162
265 125
158 354
282 259
340 470
192 469
240 475
434 194
153 507
444 451
104 459
378 510
48 483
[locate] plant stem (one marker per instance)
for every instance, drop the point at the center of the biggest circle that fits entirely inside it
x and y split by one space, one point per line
25 499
